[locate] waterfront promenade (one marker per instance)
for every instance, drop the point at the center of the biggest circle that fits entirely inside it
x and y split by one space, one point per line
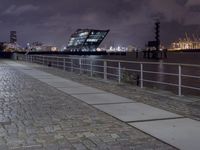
47 108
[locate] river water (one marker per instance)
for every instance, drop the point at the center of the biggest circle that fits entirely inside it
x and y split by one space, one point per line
181 58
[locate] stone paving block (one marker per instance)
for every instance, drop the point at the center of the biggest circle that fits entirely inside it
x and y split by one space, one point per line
79 146
3 147
182 133
132 112
28 147
4 120
104 98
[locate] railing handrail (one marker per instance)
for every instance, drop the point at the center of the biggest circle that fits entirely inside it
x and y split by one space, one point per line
124 61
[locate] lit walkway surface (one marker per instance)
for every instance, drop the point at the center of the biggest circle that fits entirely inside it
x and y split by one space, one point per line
42 111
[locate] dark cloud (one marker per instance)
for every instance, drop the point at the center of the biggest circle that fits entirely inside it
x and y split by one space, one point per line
18 10
130 21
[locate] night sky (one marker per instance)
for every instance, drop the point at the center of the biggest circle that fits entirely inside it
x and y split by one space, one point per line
131 21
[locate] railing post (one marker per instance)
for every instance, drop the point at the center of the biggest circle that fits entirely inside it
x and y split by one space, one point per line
43 60
141 76
119 72
179 80
105 70
72 65
91 68
26 58
57 62
39 59
64 64
80 66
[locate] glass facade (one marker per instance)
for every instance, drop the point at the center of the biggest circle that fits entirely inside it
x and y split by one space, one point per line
86 40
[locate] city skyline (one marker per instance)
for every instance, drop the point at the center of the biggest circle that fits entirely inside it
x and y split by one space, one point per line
130 22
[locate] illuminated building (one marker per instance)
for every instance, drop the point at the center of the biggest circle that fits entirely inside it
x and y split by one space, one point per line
186 44
39 47
85 40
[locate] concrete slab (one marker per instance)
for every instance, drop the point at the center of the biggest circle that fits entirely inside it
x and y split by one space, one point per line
133 112
53 80
65 84
104 98
60 82
32 72
35 73
80 90
39 77
181 133
13 64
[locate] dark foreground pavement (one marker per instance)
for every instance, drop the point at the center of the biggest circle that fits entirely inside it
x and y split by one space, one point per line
36 116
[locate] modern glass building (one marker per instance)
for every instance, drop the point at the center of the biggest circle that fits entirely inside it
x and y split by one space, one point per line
85 40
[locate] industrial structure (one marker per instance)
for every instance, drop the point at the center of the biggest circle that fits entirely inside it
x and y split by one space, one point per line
86 40
186 44
153 47
13 37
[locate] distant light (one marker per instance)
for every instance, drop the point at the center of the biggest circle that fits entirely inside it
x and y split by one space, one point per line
54 49
64 48
92 40
83 34
98 49
118 48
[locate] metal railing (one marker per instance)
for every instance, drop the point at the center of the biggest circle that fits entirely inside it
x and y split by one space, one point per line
116 70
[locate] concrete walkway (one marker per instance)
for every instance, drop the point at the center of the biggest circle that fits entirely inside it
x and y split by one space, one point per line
169 127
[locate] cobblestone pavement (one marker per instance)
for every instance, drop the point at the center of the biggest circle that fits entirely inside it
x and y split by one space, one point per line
35 116
185 106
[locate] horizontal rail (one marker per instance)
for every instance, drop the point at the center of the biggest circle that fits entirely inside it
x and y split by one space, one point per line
190 76
133 70
112 74
158 82
162 73
190 87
